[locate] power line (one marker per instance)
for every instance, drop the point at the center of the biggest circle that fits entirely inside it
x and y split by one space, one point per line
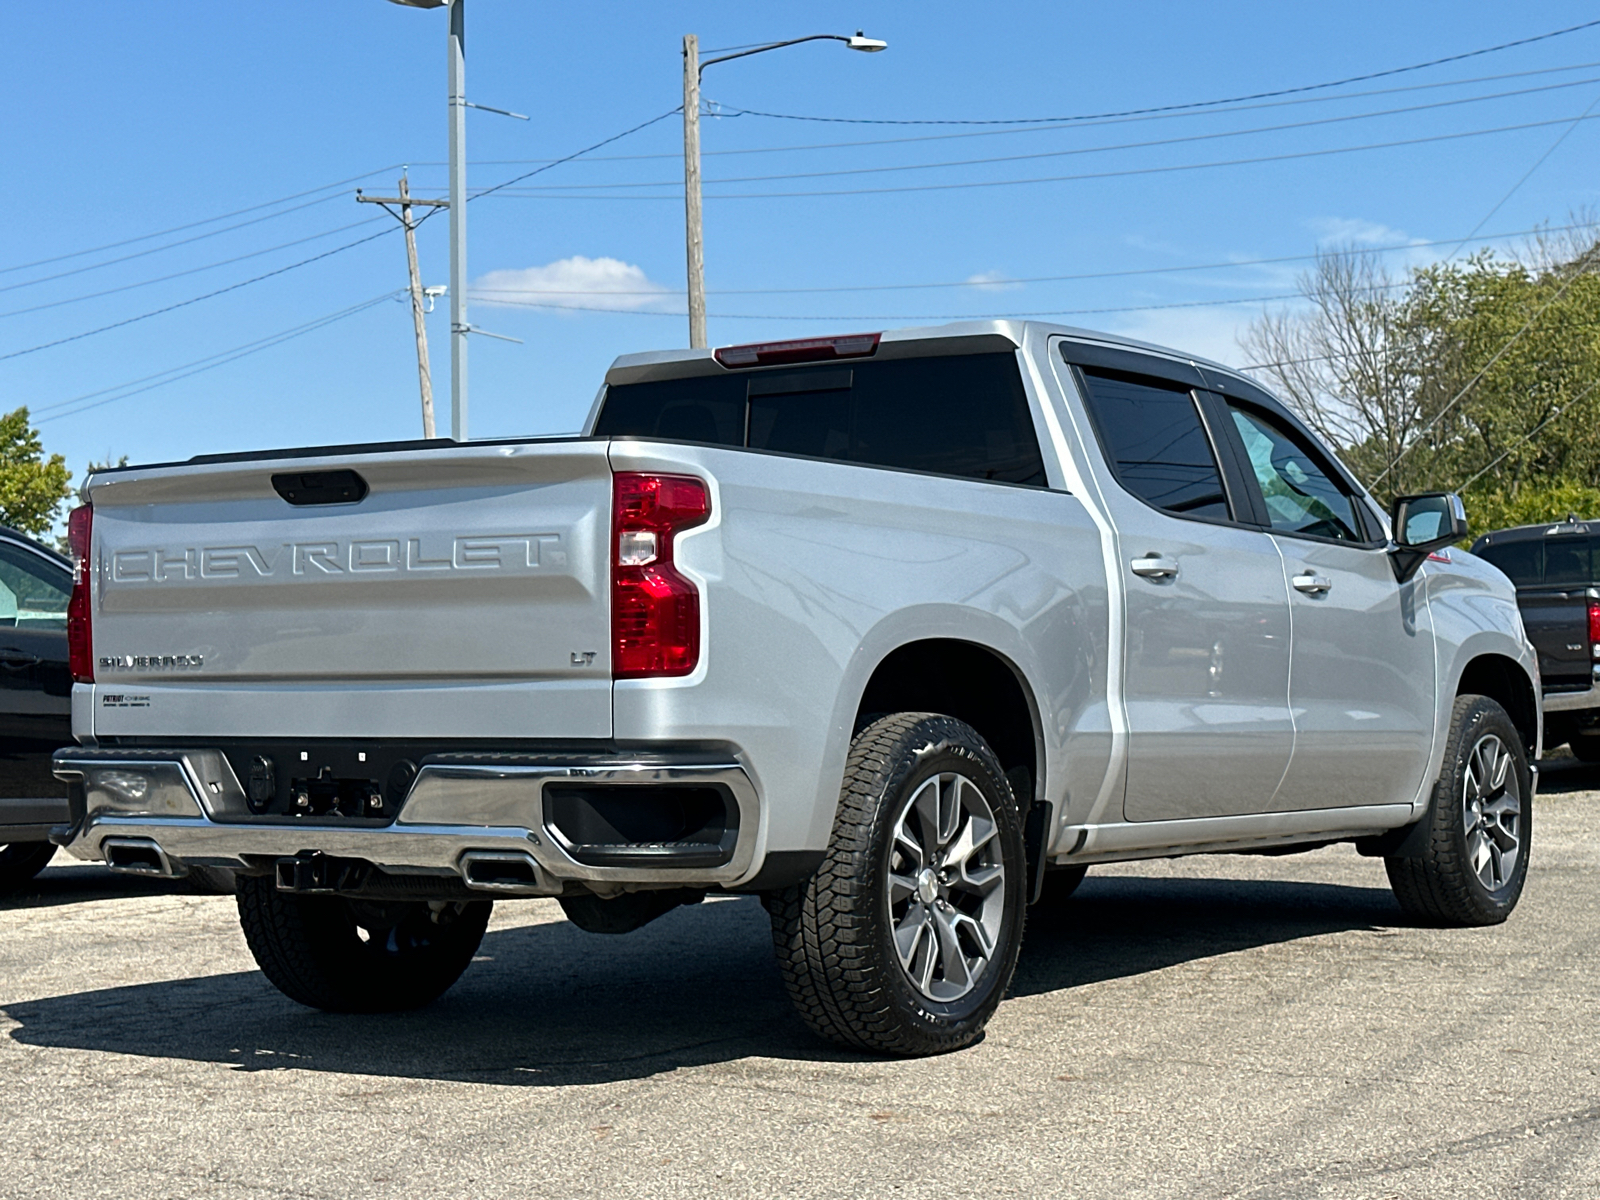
232 287
144 237
616 137
1132 112
1032 129
1051 312
1077 150
1007 283
199 237
173 374
1577 271
128 287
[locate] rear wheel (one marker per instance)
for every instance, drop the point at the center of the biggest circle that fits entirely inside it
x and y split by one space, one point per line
347 955
1474 861
21 861
905 938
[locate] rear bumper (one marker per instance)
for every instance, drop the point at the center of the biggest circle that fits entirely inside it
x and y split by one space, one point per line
1574 701
157 811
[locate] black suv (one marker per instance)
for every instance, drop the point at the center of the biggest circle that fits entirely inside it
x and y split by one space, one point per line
1556 569
35 702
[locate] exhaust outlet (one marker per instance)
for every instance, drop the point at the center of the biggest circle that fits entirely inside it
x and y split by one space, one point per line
140 856
510 872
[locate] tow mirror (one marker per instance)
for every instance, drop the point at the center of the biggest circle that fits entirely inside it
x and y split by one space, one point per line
1422 524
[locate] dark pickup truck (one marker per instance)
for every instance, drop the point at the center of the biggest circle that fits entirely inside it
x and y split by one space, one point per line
1556 569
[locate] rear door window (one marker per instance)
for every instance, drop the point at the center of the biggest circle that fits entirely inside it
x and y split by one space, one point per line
1567 562
1152 434
962 415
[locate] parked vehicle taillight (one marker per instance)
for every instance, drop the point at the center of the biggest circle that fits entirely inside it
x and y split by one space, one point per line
655 611
1594 629
80 637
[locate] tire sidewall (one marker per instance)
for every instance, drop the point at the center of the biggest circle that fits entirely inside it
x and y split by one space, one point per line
945 745
1485 716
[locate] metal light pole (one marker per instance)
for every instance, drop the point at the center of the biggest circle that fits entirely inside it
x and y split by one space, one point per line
459 328
693 68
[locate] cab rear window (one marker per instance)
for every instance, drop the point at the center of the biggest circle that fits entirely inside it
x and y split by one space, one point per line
963 415
1546 562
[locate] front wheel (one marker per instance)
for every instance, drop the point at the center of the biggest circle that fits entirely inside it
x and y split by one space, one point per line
905 938
347 955
1474 861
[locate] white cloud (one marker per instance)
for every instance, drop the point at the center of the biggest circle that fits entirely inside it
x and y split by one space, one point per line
1348 231
992 281
574 283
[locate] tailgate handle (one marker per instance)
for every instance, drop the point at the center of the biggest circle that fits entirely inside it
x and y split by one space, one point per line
321 487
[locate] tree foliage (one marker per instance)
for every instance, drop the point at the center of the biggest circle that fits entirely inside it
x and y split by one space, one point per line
32 487
1480 376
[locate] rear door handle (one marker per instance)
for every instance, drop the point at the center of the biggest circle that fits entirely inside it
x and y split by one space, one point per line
1154 566
1312 585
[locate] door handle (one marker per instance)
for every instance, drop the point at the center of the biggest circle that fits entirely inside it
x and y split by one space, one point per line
12 659
1312 585
1154 566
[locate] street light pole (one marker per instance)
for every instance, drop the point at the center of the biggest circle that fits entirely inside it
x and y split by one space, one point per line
694 224
459 328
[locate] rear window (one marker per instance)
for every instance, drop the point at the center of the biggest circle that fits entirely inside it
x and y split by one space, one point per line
1561 561
964 415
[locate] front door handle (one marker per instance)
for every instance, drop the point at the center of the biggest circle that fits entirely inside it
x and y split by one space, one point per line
1154 566
1310 584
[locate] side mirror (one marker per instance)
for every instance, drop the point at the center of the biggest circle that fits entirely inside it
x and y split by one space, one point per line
1422 524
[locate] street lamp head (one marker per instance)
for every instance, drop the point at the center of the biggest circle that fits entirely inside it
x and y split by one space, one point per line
859 42
422 3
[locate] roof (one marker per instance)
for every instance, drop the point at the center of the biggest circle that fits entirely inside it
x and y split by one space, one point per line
1571 526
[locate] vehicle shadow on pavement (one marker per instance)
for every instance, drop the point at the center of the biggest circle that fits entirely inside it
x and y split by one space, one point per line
1118 926
550 1005
1564 775
78 883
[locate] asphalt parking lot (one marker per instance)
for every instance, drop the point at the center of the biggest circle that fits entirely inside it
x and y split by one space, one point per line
1209 1027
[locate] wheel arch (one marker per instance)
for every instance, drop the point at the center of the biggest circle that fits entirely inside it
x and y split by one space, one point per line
1504 681
966 680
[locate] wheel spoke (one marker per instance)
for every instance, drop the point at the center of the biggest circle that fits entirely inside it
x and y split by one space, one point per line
956 973
976 833
926 805
900 886
1478 853
908 933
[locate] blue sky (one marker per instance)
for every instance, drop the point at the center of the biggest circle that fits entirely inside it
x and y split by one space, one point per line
127 120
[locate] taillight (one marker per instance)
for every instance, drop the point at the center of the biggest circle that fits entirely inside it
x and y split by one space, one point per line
80 636
1594 629
655 611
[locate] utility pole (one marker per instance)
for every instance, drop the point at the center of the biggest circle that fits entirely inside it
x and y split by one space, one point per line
694 237
694 227
459 328
424 372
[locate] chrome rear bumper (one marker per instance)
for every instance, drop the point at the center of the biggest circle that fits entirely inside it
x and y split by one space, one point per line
157 811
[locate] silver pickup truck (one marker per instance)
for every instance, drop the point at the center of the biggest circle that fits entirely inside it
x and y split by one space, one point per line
898 631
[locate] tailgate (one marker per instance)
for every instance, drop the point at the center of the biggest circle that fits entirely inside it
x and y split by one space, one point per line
1557 622
464 596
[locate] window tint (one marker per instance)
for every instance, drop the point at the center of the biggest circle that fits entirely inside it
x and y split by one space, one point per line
1300 496
1523 562
1567 561
964 415
33 592
1157 446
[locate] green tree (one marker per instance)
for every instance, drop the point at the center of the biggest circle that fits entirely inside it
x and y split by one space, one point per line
1480 376
32 487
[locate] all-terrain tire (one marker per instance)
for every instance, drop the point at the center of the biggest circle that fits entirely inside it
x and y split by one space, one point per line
1442 886
21 861
834 934
211 881
346 955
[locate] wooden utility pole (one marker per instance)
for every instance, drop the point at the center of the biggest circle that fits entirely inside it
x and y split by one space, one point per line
694 227
424 373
